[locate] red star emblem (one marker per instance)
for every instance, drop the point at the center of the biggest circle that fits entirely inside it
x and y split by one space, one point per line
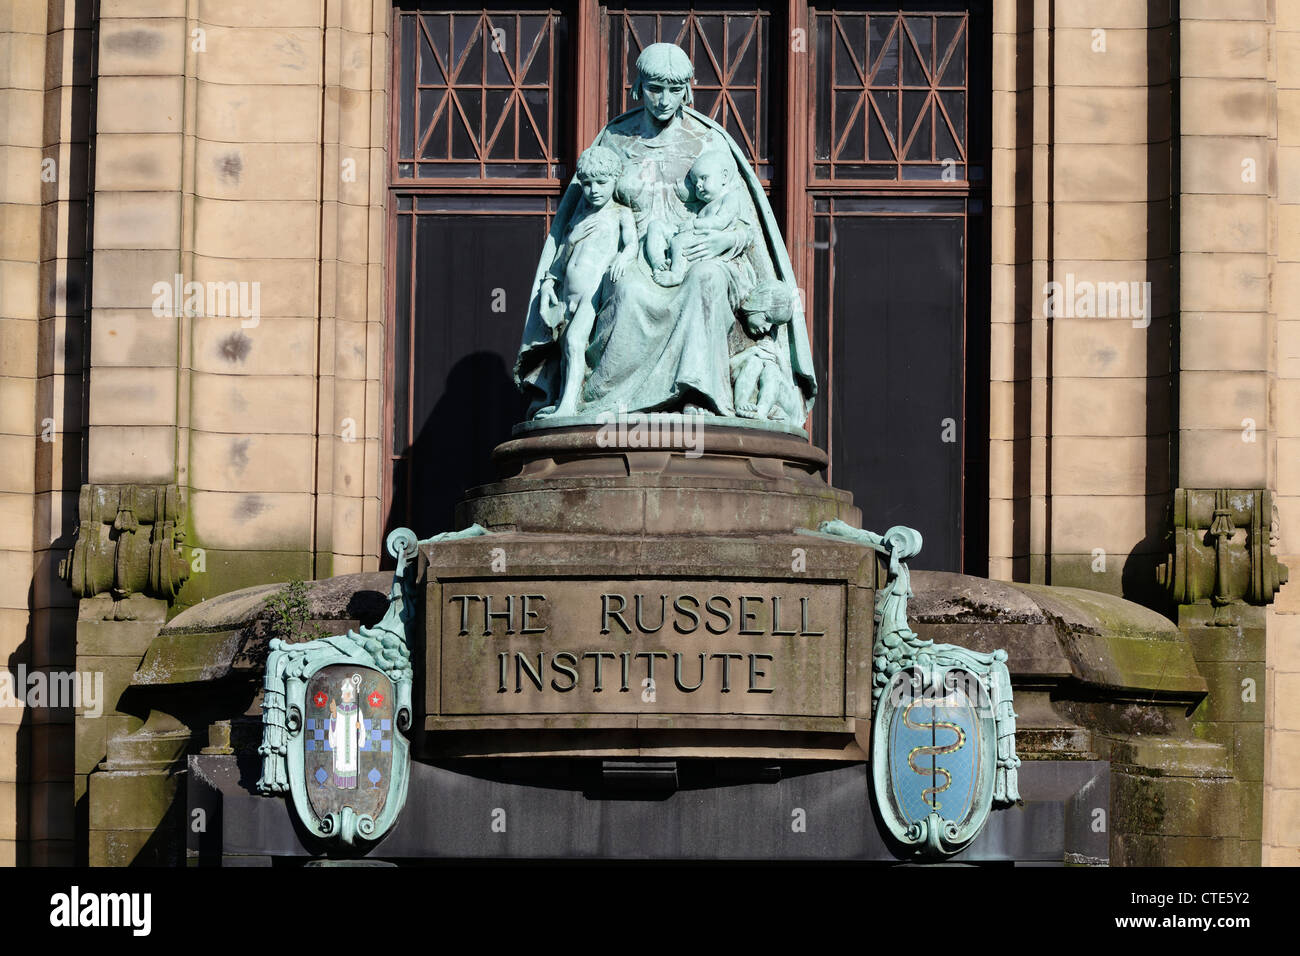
321 699
375 698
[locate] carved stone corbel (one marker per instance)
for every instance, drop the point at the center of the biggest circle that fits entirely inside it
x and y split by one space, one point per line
1221 548
129 541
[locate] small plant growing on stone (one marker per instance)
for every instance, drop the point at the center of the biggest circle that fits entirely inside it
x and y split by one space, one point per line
290 612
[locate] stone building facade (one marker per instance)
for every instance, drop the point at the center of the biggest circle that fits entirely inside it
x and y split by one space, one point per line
191 443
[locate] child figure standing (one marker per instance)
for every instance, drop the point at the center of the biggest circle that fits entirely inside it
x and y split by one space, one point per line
602 240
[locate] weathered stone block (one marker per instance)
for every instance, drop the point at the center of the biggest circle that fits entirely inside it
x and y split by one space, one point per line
1109 114
222 403
16 520
261 230
133 396
262 55
122 454
23 17
1226 107
22 61
230 113
280 282
19 289
281 171
1225 458
1224 282
139 104
1229 683
1115 522
1248 760
90 743
1283 818
1223 10
138 161
251 463
269 521
142 47
1288 117
20 229
1226 643
252 13
130 800
1082 571
226 571
22 182
133 338
1130 849
1252 805
1235 165
1215 341
1174 806
1286 702
137 220
1132 57
126 278
1224 223
1231 47
1108 230
1113 173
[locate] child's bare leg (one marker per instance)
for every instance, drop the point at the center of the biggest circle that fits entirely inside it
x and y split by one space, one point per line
576 337
743 388
657 236
769 394
675 271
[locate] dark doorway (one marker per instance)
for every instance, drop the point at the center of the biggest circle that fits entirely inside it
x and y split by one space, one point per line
896 409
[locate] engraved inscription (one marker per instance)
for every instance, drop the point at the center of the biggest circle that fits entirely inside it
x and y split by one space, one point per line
690 647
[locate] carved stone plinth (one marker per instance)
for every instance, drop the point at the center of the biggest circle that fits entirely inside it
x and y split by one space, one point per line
661 598
726 481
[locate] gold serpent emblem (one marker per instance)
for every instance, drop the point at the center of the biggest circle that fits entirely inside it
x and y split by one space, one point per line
932 751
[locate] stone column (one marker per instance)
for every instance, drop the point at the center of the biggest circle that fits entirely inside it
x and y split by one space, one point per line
1106 343
1081 290
60 400
354 187
22 82
242 148
253 191
1282 730
134 389
1012 298
1222 510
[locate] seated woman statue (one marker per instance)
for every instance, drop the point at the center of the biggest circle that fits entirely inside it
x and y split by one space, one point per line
656 345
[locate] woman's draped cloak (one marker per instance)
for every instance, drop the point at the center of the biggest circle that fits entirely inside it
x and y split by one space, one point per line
653 347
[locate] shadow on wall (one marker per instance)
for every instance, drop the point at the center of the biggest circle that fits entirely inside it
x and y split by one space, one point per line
474 412
1139 575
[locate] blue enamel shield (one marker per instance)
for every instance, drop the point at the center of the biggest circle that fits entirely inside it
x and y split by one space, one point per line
934 751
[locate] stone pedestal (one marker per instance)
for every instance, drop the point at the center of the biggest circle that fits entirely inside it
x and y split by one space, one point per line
650 600
591 480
